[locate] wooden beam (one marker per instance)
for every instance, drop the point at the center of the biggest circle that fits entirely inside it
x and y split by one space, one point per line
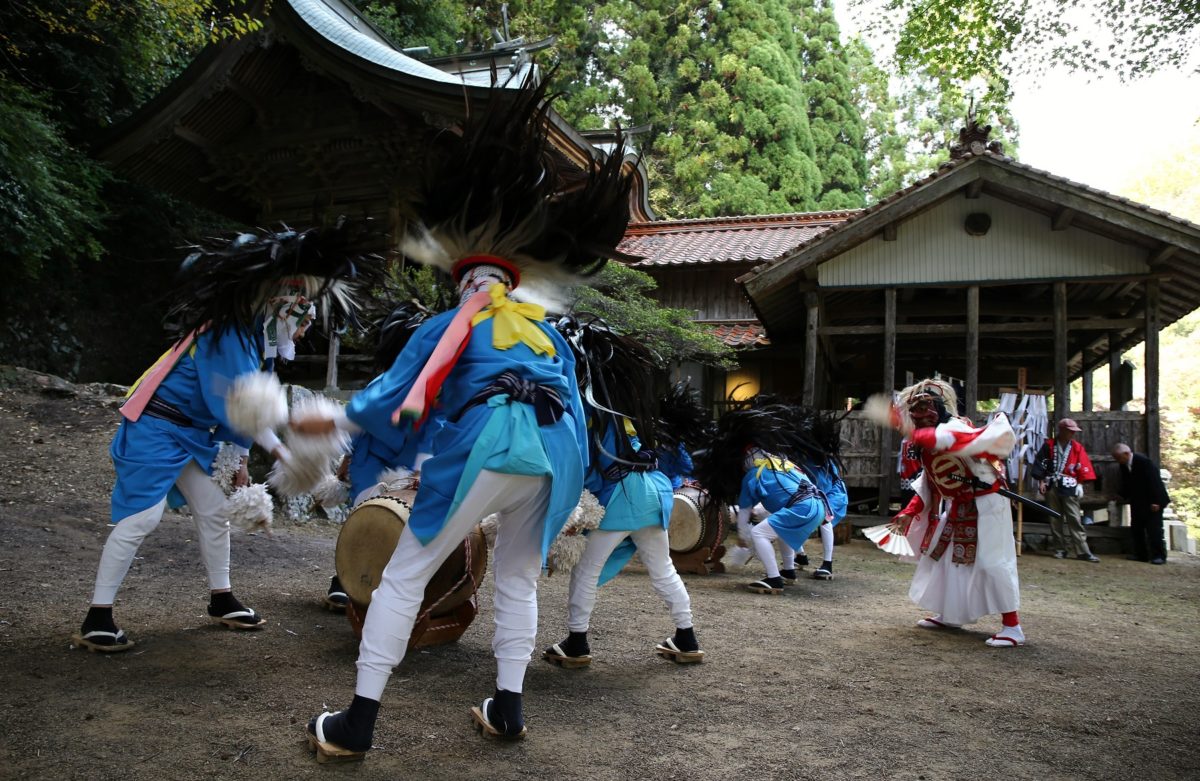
889 232
1086 405
811 331
247 96
1062 388
1062 219
194 138
1114 369
1161 254
887 449
1097 324
974 189
1152 370
972 388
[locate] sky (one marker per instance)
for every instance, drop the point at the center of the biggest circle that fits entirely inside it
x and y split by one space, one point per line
1094 129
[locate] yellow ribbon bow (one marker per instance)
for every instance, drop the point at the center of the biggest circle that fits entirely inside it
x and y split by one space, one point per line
515 322
777 464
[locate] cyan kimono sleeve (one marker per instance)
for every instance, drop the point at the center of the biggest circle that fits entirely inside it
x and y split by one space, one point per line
574 403
219 360
372 407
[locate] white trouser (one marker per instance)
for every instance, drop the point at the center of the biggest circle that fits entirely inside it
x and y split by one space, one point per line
826 541
517 562
654 551
745 533
207 503
763 539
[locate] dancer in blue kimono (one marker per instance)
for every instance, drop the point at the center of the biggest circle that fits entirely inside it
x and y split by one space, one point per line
513 439
740 468
636 495
175 416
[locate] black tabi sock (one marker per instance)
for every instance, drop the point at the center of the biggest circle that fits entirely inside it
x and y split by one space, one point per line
224 603
827 566
773 582
335 586
98 619
353 728
505 712
576 644
685 639
789 574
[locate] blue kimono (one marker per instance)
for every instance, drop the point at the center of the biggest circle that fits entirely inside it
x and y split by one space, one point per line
774 484
676 464
637 500
150 454
829 480
371 457
497 435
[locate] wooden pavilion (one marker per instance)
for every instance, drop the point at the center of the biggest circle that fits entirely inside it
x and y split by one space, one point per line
987 270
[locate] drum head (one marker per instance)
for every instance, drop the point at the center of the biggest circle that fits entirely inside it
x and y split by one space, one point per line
686 531
367 540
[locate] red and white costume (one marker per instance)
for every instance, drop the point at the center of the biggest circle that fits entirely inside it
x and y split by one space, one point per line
961 528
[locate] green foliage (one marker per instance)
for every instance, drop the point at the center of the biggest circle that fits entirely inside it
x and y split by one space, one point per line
620 296
438 24
49 192
962 40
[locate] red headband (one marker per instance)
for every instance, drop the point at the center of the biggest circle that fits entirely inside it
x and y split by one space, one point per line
462 265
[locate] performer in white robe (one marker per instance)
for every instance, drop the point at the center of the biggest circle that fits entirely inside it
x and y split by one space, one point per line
959 526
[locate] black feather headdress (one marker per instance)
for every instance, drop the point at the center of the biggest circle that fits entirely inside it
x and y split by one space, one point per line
395 331
615 377
227 283
808 435
682 419
720 466
497 190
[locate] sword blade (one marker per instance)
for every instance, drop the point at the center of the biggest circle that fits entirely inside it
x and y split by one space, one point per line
977 483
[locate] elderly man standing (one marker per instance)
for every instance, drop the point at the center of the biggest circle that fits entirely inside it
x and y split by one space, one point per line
1061 468
1142 488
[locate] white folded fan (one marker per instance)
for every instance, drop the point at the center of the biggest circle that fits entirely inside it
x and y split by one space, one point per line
889 540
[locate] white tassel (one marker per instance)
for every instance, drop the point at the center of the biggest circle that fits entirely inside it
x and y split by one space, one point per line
251 508
256 403
882 410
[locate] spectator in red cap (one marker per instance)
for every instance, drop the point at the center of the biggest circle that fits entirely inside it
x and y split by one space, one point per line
1061 469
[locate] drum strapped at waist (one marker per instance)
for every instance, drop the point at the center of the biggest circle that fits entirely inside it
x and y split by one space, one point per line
157 408
547 405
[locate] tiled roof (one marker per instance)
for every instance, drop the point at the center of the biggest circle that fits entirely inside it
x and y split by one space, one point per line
740 334
751 239
952 165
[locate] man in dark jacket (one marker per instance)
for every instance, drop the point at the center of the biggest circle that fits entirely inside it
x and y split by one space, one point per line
1142 488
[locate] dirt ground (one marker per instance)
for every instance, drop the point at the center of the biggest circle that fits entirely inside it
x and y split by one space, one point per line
830 681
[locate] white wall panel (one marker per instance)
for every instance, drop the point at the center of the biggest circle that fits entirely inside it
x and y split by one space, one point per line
934 248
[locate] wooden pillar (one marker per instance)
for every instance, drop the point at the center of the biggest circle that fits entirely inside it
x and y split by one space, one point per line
1152 370
331 367
1086 404
809 397
972 389
1114 370
887 448
1062 386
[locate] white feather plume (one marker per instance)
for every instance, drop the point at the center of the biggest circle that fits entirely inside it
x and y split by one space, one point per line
251 508
256 403
226 466
567 548
882 410
310 458
330 492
